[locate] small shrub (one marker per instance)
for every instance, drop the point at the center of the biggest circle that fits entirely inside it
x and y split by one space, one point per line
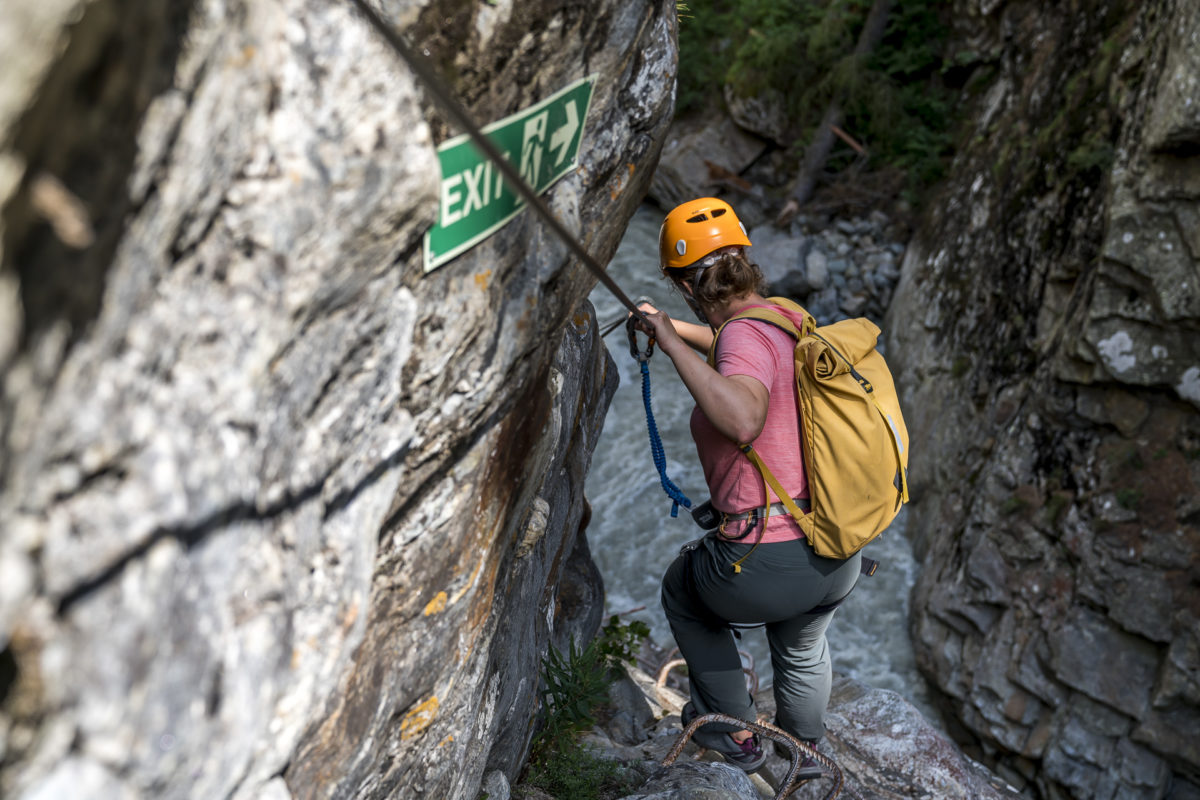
576 684
575 773
620 643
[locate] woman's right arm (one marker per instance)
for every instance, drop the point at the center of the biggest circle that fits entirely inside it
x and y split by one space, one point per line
736 405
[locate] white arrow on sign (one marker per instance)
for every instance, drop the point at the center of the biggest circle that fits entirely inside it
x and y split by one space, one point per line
562 138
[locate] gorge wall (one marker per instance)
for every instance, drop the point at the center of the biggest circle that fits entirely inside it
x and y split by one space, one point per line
1046 336
282 515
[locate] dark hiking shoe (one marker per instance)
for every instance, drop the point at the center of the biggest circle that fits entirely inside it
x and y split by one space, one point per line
809 768
750 756
747 756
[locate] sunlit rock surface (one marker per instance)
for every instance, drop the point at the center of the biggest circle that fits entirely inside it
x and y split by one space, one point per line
1046 339
282 515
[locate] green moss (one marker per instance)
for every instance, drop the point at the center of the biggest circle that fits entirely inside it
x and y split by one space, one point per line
1124 458
1056 506
1013 505
960 366
1094 153
1129 498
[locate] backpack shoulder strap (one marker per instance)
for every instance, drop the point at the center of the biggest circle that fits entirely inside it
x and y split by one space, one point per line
769 316
810 324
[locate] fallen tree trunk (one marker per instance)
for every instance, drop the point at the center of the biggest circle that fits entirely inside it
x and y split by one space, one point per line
822 144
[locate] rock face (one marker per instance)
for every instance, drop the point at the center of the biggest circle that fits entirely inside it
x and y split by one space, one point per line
703 155
282 515
1046 338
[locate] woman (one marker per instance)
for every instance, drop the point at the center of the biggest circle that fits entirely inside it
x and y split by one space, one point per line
749 397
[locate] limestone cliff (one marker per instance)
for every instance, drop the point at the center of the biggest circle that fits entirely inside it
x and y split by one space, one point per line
282 515
1046 336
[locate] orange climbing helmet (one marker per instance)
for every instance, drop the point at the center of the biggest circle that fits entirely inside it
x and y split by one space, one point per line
696 228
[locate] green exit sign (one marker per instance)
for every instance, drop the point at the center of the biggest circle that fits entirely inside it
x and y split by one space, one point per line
541 142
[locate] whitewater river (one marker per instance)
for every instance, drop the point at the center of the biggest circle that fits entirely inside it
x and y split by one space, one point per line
633 537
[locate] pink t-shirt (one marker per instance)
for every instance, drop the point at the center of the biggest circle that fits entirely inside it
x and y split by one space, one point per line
763 352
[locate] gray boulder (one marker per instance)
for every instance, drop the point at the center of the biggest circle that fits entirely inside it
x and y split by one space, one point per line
704 155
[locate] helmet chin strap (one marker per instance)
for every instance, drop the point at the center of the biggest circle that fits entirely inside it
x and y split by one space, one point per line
690 297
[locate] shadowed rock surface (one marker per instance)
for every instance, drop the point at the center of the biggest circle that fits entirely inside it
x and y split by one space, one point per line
1046 336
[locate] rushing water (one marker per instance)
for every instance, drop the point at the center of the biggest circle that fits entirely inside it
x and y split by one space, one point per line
633 537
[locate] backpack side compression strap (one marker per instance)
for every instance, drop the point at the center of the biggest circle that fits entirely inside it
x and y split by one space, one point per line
869 391
769 479
773 482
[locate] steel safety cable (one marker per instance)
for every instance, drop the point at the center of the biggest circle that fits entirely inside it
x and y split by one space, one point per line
460 116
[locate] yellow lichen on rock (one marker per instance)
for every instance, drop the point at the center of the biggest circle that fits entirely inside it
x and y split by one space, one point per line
437 604
416 721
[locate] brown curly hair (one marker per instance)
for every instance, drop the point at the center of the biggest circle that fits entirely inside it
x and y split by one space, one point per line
725 275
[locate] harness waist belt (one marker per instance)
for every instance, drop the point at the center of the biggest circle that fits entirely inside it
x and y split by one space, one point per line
776 508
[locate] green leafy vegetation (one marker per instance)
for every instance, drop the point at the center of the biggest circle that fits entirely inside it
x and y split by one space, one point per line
896 100
574 772
576 685
619 643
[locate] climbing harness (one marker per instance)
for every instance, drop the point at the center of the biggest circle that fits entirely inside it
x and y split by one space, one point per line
459 115
678 498
796 749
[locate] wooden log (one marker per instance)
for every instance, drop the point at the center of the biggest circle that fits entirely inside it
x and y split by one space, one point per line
818 150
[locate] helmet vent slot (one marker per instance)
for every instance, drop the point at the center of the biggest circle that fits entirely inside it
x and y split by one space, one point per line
716 212
698 218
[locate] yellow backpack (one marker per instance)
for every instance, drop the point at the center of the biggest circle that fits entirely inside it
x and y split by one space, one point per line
855 444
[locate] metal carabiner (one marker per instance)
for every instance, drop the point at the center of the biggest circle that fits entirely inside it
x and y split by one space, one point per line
631 330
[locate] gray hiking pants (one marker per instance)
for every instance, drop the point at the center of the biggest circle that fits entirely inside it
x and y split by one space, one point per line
780 584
